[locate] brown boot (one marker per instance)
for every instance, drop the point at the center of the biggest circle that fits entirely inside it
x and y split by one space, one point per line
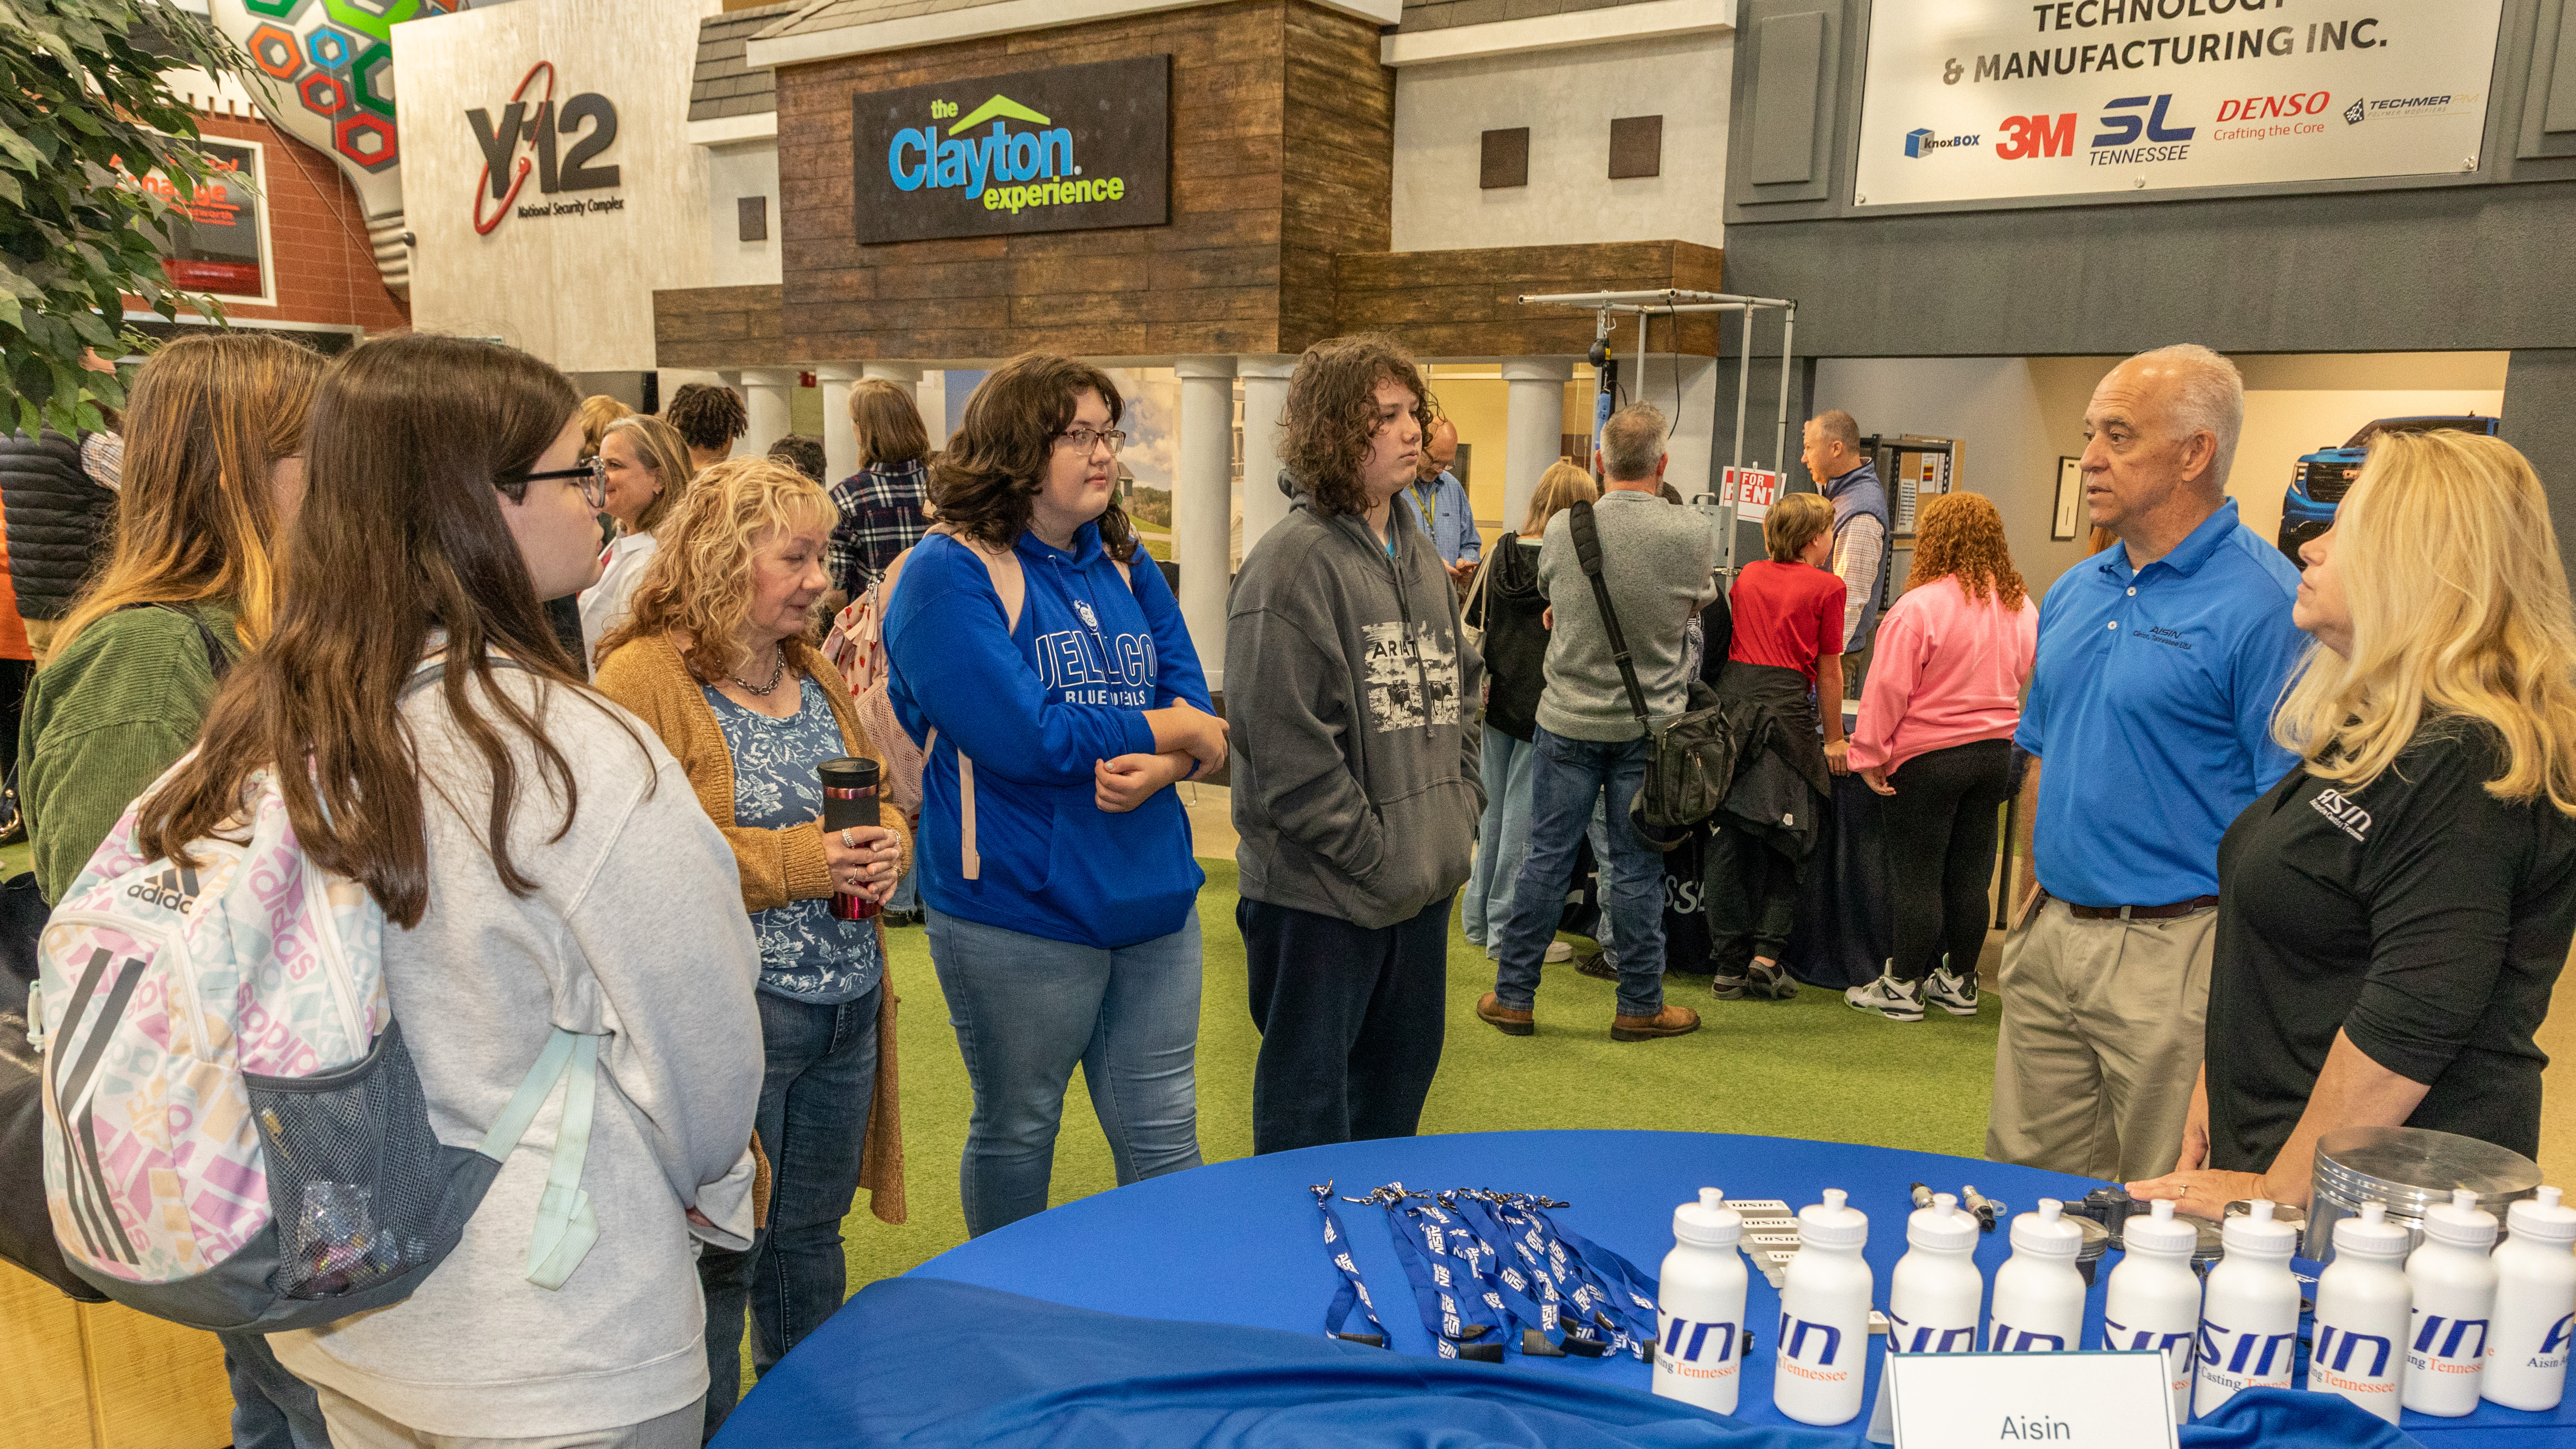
1491 1011
1671 1021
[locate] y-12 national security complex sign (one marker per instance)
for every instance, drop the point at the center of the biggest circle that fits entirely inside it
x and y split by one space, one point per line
1973 100
1043 150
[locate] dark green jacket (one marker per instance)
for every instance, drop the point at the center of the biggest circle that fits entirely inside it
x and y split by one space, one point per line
103 719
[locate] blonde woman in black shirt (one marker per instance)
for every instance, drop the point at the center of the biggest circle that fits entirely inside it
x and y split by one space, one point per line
2393 915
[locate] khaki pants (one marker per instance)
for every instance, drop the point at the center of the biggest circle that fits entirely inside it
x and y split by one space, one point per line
355 1426
2101 1042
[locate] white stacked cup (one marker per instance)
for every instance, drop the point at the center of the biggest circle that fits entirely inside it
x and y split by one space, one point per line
2039 1295
2249 1314
1823 1352
2153 1301
2455 1289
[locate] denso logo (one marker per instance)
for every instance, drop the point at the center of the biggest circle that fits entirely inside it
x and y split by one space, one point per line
2264 108
1920 142
926 158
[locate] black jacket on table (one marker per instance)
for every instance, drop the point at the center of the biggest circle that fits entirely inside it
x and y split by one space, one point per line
58 521
2418 915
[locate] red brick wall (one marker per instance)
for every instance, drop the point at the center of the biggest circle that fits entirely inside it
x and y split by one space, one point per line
323 268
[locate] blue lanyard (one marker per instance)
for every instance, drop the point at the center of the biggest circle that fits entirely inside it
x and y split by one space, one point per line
1461 1325
1353 1292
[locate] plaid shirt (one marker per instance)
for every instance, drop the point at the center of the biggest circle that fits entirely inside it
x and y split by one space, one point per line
881 516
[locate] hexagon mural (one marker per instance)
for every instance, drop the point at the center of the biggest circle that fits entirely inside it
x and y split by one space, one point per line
329 48
323 93
362 136
274 51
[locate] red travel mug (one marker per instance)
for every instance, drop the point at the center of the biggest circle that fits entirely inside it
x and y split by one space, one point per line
849 801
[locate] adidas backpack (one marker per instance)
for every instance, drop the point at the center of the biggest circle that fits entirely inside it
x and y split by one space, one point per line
235 1137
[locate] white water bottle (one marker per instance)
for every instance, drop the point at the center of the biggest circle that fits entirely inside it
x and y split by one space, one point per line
2153 1301
2455 1287
2535 1305
2364 1314
1934 1298
1823 1349
2249 1314
1699 1307
2039 1297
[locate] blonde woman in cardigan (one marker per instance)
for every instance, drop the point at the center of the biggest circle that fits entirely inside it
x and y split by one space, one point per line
713 657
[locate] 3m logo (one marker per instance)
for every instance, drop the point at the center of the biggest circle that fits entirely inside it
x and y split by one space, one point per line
2035 136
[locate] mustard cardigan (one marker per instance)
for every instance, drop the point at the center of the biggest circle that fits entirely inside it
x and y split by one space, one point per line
650 678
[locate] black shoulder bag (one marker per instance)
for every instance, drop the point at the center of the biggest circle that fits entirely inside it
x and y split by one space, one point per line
1690 763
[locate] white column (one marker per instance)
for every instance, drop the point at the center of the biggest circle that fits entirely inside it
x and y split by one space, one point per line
840 444
1201 504
932 395
766 393
1265 397
1534 424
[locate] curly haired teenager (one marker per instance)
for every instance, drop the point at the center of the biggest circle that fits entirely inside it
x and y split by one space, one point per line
1356 788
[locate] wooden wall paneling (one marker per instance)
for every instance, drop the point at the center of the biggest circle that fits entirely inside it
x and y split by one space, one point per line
154 1384
1465 303
1338 170
46 1405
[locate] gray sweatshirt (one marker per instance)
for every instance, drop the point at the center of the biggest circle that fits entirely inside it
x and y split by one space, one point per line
1350 696
636 929
1660 562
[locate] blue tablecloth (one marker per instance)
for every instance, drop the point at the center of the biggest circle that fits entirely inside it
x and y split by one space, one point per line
1238 1243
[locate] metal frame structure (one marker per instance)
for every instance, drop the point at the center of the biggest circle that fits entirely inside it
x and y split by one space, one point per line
1673 301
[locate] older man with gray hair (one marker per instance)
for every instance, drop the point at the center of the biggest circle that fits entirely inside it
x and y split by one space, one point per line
1658 563
2160 662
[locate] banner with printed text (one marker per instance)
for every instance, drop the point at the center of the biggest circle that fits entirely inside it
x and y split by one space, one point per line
1980 100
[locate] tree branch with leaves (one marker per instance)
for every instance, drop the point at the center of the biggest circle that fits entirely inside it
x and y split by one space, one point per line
84 111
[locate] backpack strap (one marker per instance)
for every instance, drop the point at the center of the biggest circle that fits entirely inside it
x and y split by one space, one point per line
1587 551
566 1227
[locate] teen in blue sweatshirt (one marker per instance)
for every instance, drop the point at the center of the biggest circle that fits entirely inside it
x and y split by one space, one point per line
1055 867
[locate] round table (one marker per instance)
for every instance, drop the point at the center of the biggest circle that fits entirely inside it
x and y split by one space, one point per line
1240 1242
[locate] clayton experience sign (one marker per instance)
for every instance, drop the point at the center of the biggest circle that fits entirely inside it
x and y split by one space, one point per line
1067 149
1971 100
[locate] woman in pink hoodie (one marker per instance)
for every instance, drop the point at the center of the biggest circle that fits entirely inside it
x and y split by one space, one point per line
1935 738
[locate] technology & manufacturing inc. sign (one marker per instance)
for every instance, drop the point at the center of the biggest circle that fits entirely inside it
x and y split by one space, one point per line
1045 150
1979 100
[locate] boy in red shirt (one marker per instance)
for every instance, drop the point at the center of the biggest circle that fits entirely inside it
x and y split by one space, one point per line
1785 655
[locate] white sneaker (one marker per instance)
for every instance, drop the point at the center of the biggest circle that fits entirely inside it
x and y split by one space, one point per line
1950 991
1558 953
1896 1000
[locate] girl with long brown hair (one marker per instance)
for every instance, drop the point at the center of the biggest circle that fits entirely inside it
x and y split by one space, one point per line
1935 738
540 863
214 469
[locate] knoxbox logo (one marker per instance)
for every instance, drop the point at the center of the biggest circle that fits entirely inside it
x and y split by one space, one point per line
924 157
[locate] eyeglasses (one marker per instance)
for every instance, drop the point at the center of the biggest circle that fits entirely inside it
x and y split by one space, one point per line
592 476
1083 440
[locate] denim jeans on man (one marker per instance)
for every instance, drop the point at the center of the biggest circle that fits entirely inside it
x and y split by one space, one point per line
272 1408
1571 775
1502 837
815 1091
1026 1009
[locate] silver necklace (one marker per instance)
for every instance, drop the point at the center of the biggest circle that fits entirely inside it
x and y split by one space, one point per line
775 675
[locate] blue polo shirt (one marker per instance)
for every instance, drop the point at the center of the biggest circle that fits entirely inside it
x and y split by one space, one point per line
1451 524
2151 712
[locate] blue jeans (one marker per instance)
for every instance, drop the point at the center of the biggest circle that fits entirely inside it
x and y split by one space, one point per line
272 1408
1502 838
907 891
1026 1009
1571 775
818 1081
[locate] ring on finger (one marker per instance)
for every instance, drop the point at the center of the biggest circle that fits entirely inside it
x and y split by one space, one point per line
849 841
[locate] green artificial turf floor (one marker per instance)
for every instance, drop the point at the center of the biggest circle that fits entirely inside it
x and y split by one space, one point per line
1810 1067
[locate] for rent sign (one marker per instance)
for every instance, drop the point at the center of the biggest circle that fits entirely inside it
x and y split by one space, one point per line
1975 100
1045 150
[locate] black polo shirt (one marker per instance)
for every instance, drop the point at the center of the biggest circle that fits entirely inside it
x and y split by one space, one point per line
2421 916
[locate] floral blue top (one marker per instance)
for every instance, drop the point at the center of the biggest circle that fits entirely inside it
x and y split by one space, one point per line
804 953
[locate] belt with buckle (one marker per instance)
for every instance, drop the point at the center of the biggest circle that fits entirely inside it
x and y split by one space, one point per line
2141 913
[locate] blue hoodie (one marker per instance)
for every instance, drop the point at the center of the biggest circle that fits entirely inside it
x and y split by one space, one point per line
1034 706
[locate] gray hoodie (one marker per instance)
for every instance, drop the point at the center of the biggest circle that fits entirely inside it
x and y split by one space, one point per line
1351 700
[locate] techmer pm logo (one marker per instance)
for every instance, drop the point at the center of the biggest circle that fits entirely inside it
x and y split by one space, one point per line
1920 142
1039 164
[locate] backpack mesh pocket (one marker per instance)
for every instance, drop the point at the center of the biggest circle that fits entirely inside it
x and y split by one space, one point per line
353 1173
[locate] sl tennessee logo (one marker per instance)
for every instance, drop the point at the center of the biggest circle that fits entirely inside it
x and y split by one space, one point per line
537 124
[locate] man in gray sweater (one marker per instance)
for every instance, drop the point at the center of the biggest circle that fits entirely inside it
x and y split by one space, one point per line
1660 564
1351 695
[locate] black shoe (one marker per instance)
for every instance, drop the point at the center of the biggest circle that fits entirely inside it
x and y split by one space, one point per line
897 920
1756 982
1600 966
